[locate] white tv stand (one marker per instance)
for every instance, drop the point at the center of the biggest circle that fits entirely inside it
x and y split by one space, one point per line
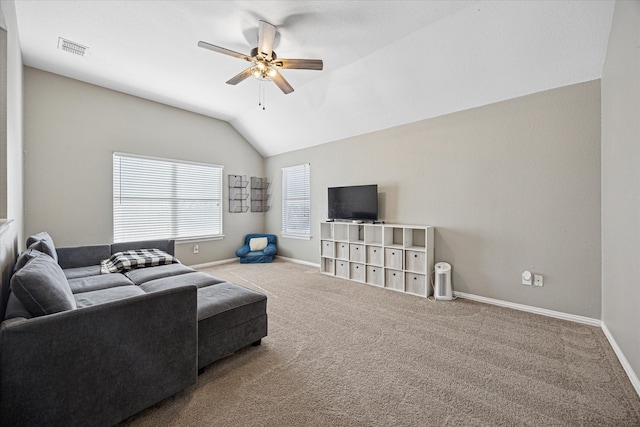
392 256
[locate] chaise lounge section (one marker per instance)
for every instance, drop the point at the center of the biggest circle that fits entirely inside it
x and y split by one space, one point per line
98 348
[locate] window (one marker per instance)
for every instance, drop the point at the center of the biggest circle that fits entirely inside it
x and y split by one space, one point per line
165 199
296 201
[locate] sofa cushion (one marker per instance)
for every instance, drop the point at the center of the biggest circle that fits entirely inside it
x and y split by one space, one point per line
94 283
231 304
196 278
42 287
143 275
78 272
44 243
102 296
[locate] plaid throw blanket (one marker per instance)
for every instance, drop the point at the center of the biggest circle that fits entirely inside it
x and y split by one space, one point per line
138 258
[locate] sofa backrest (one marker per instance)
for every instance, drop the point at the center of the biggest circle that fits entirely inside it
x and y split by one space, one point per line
167 246
82 256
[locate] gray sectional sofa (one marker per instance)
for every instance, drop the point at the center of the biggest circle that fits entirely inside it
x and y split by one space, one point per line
78 347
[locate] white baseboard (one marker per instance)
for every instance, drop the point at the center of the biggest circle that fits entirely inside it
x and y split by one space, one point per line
531 309
211 264
633 377
298 261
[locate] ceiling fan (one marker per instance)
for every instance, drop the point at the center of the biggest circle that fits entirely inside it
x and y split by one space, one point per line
265 63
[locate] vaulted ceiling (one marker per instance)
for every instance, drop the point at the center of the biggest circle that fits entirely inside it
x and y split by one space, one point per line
386 63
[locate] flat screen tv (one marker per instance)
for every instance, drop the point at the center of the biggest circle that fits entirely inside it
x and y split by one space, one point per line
355 203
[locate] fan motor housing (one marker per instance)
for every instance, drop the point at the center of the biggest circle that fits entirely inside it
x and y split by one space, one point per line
254 53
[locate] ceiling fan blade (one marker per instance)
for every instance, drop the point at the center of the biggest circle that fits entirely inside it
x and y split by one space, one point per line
239 77
299 64
266 39
219 49
281 82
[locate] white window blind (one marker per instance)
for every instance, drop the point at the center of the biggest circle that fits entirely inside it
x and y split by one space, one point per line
296 200
165 199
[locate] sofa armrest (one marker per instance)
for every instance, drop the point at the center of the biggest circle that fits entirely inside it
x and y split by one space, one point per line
82 256
101 364
243 250
270 249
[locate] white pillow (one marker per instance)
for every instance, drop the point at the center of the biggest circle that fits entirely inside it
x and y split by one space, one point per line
258 243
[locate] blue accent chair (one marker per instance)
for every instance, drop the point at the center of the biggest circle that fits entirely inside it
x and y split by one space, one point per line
247 256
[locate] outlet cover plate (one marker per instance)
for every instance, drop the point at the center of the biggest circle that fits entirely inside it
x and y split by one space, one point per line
537 280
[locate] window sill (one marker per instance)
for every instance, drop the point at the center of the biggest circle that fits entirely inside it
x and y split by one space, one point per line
296 236
199 239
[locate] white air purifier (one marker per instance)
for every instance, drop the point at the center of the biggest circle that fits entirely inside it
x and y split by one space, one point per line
443 289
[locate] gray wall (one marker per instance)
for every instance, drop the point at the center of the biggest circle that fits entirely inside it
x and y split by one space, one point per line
11 152
621 182
3 119
73 128
509 187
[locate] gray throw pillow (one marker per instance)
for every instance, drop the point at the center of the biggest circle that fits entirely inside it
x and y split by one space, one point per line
25 257
44 243
42 287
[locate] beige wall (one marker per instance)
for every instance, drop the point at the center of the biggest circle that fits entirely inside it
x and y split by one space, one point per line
509 187
621 183
73 128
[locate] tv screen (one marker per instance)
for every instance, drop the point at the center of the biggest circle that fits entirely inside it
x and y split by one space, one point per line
358 202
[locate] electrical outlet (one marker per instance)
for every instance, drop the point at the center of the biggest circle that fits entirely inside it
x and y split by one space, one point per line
526 278
195 249
537 280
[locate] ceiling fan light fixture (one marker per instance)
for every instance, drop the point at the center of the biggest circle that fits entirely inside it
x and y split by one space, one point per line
262 71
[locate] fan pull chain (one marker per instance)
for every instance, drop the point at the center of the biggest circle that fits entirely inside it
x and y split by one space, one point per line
261 97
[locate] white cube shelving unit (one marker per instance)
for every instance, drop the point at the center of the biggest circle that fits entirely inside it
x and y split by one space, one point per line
392 256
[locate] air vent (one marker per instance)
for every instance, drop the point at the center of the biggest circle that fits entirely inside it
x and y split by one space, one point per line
71 47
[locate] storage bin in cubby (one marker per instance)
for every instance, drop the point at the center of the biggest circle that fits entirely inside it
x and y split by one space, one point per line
342 269
415 284
415 261
356 253
393 258
375 275
374 255
394 279
357 271
342 250
327 248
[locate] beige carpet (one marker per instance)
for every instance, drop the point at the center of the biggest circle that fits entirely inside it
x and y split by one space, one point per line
340 353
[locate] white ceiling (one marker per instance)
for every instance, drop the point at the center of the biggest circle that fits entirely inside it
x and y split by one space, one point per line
386 63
